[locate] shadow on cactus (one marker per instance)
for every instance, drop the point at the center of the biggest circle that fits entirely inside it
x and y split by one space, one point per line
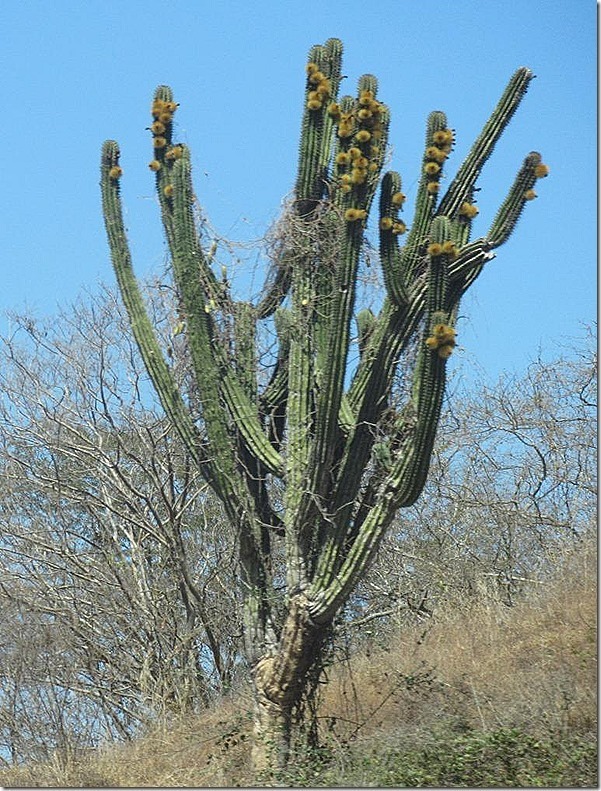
339 447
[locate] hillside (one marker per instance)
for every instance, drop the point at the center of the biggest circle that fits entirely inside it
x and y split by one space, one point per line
490 696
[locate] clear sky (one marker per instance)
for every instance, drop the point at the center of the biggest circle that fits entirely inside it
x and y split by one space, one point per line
76 72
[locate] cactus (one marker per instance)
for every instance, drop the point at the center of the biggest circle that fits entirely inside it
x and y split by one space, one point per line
346 454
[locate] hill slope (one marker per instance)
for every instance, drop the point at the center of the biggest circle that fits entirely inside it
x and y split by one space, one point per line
490 696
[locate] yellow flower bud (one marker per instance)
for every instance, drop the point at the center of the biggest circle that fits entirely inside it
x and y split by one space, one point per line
352 215
468 210
175 153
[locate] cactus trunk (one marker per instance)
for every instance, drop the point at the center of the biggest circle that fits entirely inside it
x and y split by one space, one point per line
279 682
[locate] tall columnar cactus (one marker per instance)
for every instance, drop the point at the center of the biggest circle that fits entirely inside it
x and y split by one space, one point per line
347 454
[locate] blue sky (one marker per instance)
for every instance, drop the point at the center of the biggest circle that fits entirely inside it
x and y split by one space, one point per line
76 72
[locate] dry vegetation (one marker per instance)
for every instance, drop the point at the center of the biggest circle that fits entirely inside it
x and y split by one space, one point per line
490 684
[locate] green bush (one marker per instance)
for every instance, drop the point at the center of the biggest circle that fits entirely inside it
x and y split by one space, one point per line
506 758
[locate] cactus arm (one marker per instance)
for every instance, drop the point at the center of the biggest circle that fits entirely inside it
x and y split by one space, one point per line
186 255
299 413
427 195
245 361
245 347
323 79
152 355
462 186
212 370
391 199
520 193
274 397
408 475
166 153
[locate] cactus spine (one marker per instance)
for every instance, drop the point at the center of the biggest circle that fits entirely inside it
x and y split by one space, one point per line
347 456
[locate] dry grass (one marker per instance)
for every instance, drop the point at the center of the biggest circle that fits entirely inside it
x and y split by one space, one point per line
531 667
208 750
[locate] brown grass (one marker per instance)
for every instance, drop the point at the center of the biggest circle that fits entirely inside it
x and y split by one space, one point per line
531 667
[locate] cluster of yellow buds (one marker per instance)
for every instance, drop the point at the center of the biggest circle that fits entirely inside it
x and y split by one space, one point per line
392 223
174 153
162 112
355 167
360 132
446 248
443 340
442 142
320 87
363 121
541 171
115 173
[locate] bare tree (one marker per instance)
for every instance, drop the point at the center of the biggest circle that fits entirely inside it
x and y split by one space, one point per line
112 555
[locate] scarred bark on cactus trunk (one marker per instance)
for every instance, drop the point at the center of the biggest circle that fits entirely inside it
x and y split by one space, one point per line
279 683
346 446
